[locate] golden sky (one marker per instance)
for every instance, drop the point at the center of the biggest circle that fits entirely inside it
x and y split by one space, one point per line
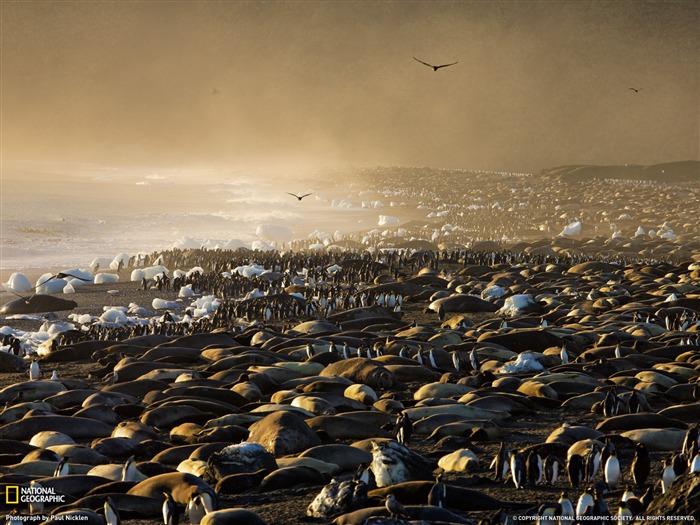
305 82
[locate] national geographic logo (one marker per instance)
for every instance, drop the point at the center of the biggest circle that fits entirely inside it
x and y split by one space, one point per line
18 495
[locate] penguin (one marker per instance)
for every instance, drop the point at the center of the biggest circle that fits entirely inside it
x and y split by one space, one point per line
365 475
607 450
592 462
624 514
584 502
600 507
62 468
551 469
403 429
534 468
668 475
518 470
612 471
564 355
441 312
195 509
680 464
431 358
419 355
567 509
640 465
129 470
695 463
618 351
501 462
691 436
474 360
633 406
455 360
628 494
403 352
111 513
611 403
310 350
647 497
575 469
547 514
34 372
438 492
171 513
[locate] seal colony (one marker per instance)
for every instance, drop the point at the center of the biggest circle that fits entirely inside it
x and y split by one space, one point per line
341 387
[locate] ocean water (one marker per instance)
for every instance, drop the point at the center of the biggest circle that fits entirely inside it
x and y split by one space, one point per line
55 214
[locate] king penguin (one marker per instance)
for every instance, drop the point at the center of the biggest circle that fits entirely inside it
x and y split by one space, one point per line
612 471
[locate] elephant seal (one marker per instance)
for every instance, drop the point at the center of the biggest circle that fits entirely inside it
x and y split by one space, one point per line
182 486
228 516
238 483
360 370
345 456
638 421
77 428
283 433
658 439
37 303
287 477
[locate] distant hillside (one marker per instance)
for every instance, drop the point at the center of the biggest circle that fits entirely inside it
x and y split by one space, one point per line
683 171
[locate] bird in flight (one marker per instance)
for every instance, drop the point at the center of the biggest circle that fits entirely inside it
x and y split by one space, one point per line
435 68
636 90
298 196
59 275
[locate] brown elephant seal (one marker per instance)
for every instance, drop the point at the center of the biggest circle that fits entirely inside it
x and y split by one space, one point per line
238 483
31 391
77 428
570 434
658 439
37 303
416 492
345 456
287 477
360 370
182 486
229 516
129 506
343 427
637 421
134 430
283 433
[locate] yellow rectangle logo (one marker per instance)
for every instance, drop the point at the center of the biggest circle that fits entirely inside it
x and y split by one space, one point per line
9 498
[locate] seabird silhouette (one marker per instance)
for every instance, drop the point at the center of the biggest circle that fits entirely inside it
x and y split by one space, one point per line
435 68
636 90
299 197
59 275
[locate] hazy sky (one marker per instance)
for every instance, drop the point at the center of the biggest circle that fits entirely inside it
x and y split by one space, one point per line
226 83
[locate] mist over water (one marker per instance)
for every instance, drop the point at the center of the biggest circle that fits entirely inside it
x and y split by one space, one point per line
75 213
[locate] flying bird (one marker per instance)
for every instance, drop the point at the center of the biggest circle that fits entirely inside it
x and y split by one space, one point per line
300 197
636 90
435 68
